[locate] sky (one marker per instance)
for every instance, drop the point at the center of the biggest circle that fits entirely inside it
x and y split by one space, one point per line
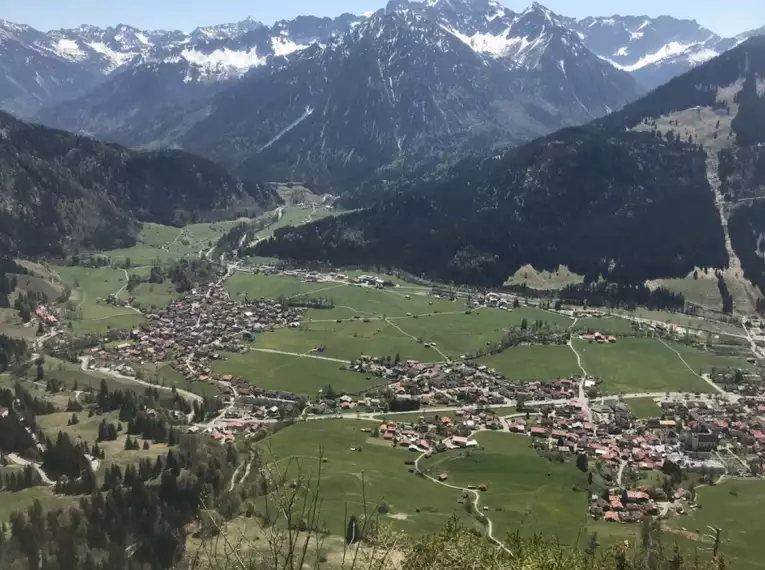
728 18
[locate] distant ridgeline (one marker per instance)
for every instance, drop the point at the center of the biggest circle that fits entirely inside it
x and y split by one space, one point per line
605 201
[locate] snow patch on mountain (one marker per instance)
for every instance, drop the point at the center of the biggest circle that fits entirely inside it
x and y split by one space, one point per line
115 58
224 63
284 46
69 49
667 52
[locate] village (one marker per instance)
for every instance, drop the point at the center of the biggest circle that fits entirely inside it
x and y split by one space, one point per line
709 438
712 437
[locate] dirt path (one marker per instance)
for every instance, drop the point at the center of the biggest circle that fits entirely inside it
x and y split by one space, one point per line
403 332
704 377
233 477
24 462
298 355
476 498
621 472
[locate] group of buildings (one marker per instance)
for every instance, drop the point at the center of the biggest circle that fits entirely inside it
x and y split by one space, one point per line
198 329
460 383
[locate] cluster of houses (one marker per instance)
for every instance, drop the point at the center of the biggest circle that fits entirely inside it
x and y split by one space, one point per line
310 276
625 506
459 383
704 435
46 316
196 330
599 338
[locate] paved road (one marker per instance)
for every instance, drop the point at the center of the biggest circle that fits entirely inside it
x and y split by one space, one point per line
621 472
185 394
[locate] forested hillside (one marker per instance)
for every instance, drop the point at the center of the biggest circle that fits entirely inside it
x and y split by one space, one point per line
601 199
601 204
60 192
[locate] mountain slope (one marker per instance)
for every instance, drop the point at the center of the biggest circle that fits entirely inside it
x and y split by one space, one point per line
403 89
544 55
606 200
35 70
653 50
60 192
147 73
398 86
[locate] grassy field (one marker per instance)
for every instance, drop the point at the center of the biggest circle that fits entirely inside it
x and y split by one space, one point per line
644 408
416 505
704 361
347 340
293 374
525 492
163 244
153 295
638 365
85 430
739 516
295 216
534 362
93 286
11 325
411 316
458 334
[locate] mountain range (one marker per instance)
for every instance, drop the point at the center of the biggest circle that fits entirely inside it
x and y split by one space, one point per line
43 68
670 183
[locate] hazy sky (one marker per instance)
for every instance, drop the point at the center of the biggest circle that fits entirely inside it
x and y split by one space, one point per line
726 18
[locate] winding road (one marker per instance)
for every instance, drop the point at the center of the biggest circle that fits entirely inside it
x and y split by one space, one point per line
185 394
476 499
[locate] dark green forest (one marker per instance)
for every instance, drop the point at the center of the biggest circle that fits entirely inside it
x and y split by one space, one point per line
605 205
